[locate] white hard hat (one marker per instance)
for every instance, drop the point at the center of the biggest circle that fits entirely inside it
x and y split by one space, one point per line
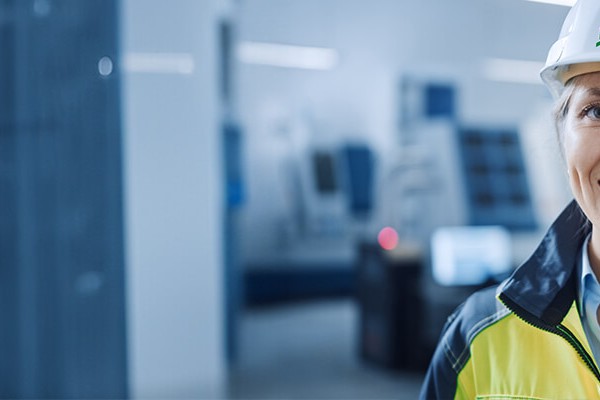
577 50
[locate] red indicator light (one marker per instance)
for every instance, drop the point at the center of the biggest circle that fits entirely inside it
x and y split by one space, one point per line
388 238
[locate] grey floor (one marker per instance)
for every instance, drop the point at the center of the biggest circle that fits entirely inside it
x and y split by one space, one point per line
309 351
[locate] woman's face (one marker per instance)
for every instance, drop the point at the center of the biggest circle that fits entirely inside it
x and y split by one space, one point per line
581 142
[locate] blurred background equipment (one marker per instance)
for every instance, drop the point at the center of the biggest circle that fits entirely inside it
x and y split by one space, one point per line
390 307
261 199
496 180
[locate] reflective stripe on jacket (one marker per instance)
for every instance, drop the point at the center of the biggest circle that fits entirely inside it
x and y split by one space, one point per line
524 338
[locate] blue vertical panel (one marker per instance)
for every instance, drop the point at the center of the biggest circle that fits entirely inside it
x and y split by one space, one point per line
61 183
234 200
232 135
359 165
8 215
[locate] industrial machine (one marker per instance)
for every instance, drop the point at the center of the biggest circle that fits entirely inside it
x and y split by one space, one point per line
459 199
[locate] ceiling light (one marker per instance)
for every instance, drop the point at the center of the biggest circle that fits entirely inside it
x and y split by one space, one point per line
568 3
516 71
287 56
159 63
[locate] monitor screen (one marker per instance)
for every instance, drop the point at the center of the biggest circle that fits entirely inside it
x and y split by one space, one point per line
324 172
470 255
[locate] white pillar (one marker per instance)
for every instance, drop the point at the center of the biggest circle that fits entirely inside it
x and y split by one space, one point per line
173 201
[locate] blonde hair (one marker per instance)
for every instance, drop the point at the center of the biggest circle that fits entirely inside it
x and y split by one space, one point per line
561 109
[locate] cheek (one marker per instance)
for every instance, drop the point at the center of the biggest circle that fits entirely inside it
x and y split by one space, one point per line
581 151
582 156
570 147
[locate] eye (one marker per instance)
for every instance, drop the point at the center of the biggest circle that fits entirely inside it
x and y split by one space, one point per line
592 111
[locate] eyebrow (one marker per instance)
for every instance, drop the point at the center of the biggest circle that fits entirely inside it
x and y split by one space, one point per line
595 91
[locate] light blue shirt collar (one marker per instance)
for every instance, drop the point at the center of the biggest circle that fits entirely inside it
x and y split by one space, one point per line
589 298
585 270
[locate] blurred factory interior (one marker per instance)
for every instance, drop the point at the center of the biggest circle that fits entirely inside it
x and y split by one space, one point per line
261 198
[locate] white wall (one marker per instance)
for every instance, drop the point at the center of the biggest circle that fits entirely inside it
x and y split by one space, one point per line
173 199
378 41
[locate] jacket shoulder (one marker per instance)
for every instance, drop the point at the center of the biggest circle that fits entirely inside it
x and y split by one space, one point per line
481 310
478 312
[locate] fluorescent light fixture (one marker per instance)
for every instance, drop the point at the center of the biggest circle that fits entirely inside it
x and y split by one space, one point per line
159 63
515 71
287 56
568 3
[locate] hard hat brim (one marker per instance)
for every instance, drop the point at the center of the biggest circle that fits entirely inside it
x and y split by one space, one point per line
574 70
556 76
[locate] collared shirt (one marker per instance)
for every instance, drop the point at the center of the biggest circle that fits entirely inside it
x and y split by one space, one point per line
589 300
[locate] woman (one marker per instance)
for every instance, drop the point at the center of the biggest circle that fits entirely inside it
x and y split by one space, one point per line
537 334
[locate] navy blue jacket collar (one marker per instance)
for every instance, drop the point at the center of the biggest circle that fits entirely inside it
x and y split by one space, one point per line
545 285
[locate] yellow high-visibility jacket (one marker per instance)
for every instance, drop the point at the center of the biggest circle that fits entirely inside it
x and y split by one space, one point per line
522 339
